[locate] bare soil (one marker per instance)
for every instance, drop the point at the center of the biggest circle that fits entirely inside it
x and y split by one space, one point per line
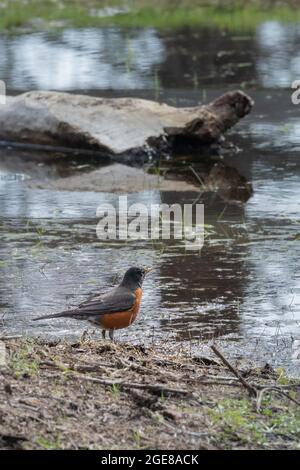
103 395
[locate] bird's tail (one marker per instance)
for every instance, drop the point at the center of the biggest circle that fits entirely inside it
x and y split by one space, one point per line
65 313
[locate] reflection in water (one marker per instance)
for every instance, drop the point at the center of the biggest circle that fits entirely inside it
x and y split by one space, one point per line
50 242
278 63
282 135
45 170
203 292
80 59
244 285
112 58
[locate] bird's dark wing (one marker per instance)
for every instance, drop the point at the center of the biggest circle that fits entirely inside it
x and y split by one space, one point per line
119 299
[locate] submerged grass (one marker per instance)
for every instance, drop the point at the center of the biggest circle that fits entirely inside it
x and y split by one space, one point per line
167 14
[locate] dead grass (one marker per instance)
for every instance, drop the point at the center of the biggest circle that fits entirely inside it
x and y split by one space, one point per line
102 395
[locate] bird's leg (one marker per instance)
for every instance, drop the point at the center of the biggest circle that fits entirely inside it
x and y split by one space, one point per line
103 334
111 334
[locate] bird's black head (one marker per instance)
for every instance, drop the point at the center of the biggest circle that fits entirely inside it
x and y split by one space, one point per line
134 277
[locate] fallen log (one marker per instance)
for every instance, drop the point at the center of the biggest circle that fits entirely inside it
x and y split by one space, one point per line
118 125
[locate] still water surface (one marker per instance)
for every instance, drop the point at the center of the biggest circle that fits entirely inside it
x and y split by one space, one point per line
244 286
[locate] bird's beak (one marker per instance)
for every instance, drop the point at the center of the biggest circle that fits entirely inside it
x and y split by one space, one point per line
148 270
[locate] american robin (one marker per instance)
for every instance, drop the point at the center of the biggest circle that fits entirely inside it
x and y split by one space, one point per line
114 310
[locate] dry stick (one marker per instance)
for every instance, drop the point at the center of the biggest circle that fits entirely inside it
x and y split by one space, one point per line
276 390
76 368
83 368
3 338
222 384
286 387
252 390
197 176
120 383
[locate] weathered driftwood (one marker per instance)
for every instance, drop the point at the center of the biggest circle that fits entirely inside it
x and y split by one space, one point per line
116 126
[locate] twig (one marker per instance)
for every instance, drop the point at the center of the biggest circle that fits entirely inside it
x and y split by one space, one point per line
222 384
197 176
276 390
212 379
122 384
286 387
75 368
220 377
252 390
3 338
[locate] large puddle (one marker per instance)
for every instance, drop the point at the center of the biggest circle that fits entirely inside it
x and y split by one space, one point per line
145 59
244 286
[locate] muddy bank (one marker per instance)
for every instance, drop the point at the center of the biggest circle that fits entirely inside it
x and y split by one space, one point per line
116 126
103 395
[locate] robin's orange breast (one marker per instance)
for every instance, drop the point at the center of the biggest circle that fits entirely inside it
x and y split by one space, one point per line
118 320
